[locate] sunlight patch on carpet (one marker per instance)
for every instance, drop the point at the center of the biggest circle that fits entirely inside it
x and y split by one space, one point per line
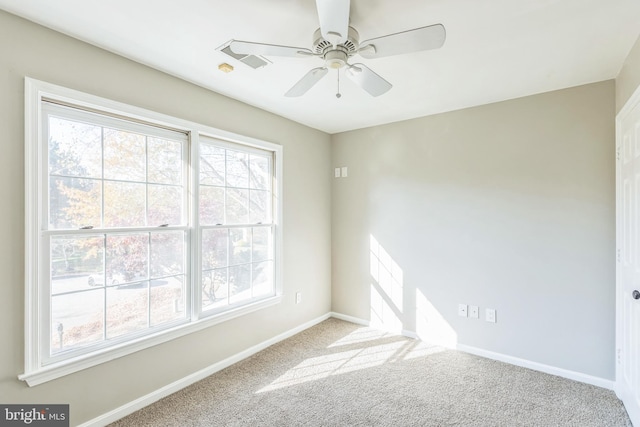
368 356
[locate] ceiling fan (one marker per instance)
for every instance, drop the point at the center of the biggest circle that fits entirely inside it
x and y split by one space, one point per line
336 42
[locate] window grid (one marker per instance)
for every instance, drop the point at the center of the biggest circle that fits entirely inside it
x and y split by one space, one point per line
226 181
109 234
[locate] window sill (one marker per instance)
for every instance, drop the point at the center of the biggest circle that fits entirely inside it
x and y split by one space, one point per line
57 370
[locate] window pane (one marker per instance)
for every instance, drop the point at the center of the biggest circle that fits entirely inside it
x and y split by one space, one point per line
261 244
165 205
167 254
214 248
74 203
127 258
237 206
237 169
212 165
165 161
124 204
76 319
215 290
262 279
211 205
167 297
240 283
124 155
259 208
75 149
259 172
127 309
76 263
239 246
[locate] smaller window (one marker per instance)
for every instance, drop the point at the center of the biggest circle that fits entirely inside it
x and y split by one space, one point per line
236 224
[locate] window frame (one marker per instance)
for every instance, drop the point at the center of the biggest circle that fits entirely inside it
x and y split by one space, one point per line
36 169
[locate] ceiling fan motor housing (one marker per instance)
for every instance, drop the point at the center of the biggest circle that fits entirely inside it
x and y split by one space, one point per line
336 57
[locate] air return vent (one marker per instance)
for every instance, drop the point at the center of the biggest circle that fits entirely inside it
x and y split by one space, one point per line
250 60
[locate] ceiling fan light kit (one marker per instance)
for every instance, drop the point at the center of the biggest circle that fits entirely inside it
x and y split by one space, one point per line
336 42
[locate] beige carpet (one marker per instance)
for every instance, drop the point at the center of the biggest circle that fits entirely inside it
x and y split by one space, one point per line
341 374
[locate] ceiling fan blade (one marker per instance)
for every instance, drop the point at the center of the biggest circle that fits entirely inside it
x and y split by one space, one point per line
334 19
307 82
367 79
424 38
250 48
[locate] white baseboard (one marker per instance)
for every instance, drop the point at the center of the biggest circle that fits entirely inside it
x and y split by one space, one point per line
541 367
351 319
358 321
165 391
547 369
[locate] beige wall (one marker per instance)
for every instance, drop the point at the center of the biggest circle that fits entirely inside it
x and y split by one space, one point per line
507 206
628 79
30 50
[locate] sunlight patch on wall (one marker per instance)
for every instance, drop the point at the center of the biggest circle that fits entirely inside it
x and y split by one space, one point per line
431 326
387 288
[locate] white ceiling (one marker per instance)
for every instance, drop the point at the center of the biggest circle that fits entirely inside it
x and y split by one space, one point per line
495 49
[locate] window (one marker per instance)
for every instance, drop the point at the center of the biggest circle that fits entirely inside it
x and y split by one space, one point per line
140 228
236 224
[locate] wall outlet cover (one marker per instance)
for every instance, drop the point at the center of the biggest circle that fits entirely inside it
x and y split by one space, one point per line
474 311
462 310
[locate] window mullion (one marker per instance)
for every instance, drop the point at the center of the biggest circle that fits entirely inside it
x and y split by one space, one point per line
104 288
193 237
148 280
228 269
251 265
102 177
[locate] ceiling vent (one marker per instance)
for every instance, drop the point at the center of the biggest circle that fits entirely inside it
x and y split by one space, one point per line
252 61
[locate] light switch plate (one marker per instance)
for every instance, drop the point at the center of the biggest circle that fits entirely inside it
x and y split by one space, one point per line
344 172
336 173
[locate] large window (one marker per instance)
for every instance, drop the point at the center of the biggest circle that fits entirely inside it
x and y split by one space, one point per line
140 228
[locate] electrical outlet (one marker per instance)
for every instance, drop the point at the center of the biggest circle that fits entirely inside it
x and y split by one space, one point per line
298 297
474 312
462 310
336 173
490 315
345 171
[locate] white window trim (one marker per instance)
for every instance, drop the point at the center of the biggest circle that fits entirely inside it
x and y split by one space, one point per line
35 91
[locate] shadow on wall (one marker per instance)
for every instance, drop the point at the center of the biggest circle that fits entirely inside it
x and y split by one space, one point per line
390 302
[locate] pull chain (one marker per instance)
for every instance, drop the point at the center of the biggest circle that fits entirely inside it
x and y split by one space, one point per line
338 95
